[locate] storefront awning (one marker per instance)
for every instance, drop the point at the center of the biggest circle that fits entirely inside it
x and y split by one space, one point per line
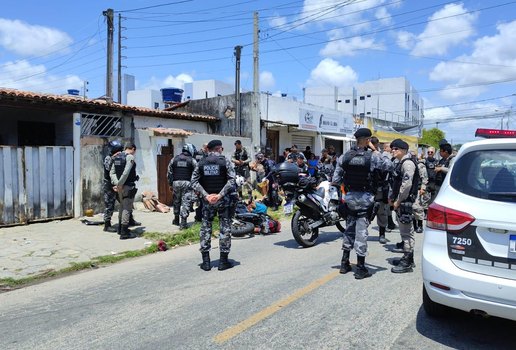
169 132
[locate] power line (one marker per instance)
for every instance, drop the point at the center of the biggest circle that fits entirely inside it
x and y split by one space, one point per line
155 6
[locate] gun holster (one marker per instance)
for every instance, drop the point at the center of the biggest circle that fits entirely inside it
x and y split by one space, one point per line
406 212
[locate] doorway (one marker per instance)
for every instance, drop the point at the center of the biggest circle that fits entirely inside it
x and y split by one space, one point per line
273 143
164 193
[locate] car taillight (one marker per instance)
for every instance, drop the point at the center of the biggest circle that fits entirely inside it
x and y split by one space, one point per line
446 219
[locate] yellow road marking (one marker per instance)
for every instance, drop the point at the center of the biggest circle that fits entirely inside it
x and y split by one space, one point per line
261 315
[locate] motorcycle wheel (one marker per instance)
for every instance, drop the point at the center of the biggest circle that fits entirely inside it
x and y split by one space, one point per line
340 227
305 238
241 228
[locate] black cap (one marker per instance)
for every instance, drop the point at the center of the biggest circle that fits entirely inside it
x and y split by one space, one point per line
399 143
238 142
363 132
214 143
443 142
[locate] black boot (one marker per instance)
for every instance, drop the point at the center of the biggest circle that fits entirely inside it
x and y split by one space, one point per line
405 264
133 222
224 263
361 272
345 266
400 245
183 225
176 220
126 233
382 238
206 263
414 223
419 228
108 227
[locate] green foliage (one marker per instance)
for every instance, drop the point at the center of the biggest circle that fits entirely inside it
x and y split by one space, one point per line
432 137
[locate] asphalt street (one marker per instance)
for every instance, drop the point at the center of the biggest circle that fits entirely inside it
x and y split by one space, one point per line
278 296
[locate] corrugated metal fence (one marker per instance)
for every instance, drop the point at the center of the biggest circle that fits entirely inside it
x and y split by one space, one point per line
36 183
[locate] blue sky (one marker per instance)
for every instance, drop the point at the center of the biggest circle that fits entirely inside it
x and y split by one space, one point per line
461 56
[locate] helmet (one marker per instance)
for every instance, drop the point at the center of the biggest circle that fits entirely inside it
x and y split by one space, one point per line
115 146
188 147
239 180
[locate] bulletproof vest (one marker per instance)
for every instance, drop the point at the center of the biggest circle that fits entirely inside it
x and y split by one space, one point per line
119 162
430 168
439 177
182 167
397 177
357 171
214 173
241 155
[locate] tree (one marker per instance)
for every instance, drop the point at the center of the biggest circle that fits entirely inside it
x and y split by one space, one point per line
432 137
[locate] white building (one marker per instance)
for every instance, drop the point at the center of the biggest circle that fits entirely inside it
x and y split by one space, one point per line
200 89
390 101
145 98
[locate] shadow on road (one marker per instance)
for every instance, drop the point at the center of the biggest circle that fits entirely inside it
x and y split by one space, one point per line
324 237
461 330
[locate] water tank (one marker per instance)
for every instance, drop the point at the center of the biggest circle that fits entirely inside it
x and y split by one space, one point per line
172 95
74 92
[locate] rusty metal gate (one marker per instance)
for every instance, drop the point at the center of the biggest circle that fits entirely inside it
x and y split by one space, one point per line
36 183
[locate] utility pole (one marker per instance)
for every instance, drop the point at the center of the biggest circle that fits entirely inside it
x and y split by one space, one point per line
256 77
109 13
84 88
238 51
119 85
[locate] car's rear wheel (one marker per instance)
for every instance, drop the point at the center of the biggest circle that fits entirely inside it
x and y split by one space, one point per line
432 308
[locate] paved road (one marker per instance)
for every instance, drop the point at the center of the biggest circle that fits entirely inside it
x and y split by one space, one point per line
278 297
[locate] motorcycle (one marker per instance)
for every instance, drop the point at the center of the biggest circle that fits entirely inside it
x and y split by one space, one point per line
318 206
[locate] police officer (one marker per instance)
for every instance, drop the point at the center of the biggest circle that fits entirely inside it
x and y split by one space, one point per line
404 192
179 174
423 197
430 164
356 169
201 154
114 148
214 179
123 177
445 151
241 160
382 194
268 173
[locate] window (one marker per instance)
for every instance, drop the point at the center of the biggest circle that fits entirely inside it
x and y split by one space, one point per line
368 113
486 174
348 101
156 105
368 95
355 101
362 98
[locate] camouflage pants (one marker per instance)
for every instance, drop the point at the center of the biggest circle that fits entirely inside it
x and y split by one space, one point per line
420 205
109 201
407 235
356 227
382 215
183 198
126 203
223 209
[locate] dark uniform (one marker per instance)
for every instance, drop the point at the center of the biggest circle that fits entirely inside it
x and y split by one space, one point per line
382 201
215 175
179 174
109 194
357 169
405 187
123 174
241 155
430 164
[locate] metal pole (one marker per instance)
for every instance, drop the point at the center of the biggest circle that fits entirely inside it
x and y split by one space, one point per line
109 70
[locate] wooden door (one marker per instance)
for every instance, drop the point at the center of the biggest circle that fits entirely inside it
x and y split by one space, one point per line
273 143
164 193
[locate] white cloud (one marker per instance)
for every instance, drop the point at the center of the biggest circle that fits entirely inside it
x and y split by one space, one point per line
278 21
170 81
439 113
383 16
497 54
266 80
330 72
440 34
24 76
347 47
405 40
26 39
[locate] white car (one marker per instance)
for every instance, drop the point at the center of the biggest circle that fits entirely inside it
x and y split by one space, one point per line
469 248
